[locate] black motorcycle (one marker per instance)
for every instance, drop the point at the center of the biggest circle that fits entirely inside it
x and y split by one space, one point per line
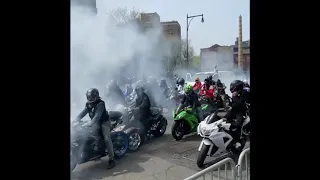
219 102
135 131
83 144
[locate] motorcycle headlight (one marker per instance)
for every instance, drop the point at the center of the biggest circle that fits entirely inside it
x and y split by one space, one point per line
206 131
119 128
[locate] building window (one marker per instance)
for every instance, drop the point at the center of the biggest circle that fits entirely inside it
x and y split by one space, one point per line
235 49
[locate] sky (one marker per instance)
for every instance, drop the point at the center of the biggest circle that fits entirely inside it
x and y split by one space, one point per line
221 17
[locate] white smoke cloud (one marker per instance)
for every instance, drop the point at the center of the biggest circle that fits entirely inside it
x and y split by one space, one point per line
100 50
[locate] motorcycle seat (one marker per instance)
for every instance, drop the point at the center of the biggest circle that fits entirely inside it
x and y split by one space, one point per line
115 115
155 111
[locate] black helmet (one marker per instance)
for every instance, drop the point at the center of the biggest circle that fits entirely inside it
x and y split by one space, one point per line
138 89
236 85
139 83
218 81
112 84
210 77
180 81
92 95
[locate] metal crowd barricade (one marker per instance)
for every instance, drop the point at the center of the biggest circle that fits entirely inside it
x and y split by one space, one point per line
214 167
243 159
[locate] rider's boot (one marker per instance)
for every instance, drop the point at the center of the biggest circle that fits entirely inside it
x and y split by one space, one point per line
111 164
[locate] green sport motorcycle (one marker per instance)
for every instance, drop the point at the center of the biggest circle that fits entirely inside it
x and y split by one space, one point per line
185 122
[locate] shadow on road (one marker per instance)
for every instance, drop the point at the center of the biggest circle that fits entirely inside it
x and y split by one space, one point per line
99 169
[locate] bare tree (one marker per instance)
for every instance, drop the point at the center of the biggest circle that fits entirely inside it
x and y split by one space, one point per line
186 52
124 15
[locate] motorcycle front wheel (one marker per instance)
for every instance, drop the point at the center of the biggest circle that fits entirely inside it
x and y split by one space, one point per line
177 130
161 129
120 142
202 155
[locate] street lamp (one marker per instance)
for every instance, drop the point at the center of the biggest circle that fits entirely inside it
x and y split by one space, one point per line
188 24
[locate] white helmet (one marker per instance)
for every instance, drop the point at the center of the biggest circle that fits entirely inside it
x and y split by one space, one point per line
245 81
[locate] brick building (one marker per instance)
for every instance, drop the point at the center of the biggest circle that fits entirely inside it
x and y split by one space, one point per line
150 20
171 31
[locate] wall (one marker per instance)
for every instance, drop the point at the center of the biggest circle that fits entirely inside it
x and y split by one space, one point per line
216 55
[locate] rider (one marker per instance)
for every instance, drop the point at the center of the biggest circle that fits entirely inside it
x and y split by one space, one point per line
180 84
114 94
238 110
221 91
142 107
211 81
129 88
197 85
150 87
99 120
206 90
190 99
164 87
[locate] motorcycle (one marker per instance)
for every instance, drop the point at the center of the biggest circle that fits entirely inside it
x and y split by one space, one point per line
185 122
216 142
207 105
83 145
218 101
133 128
176 96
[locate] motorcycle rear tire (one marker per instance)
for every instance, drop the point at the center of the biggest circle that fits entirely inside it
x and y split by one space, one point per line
158 133
175 125
202 155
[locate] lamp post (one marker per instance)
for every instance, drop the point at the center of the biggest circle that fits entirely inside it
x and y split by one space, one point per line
188 24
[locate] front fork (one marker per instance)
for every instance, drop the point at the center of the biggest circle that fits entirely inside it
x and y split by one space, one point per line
207 142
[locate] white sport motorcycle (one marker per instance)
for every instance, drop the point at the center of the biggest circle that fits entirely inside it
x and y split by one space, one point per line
216 140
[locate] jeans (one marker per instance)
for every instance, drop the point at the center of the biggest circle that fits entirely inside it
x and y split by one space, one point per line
107 138
199 113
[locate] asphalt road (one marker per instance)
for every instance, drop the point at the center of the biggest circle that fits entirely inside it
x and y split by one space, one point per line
161 158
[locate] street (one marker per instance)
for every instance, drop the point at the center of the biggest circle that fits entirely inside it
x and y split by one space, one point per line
161 158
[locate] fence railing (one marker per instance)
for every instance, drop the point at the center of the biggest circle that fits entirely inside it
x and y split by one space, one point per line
214 167
243 159
236 170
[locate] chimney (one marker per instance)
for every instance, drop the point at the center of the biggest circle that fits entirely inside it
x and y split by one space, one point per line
240 57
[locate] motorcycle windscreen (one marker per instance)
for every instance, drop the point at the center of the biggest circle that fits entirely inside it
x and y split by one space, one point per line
212 118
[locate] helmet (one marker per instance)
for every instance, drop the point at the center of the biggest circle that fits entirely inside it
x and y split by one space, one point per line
210 77
139 83
152 80
218 81
180 81
245 81
92 95
112 84
188 89
197 79
236 85
138 89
